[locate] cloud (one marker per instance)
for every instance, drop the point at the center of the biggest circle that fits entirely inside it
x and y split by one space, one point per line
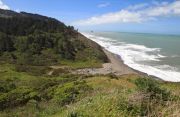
102 5
17 10
3 6
163 10
135 14
121 16
157 3
137 6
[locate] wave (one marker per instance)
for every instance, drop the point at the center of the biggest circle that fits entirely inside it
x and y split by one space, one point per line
137 56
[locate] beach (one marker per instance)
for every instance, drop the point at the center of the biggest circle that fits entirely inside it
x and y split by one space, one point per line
148 54
115 66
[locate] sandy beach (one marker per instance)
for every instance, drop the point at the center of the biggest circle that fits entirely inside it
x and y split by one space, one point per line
115 66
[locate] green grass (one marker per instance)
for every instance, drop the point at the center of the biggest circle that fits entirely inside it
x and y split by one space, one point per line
82 64
122 97
67 95
173 87
102 102
19 90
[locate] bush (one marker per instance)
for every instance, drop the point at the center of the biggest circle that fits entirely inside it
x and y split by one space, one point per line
18 96
153 96
130 109
6 86
112 76
76 114
153 88
8 57
34 70
69 92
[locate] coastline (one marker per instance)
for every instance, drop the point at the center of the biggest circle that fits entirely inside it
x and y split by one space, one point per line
120 64
122 69
115 66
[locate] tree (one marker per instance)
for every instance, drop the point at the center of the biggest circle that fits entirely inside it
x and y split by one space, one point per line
6 43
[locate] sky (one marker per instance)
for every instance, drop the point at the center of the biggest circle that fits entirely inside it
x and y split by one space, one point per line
144 16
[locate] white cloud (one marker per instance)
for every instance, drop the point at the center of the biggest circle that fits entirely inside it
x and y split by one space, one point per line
121 16
17 10
171 9
157 3
136 14
3 6
137 6
106 4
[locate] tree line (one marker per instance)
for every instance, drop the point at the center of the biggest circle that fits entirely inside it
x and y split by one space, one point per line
35 39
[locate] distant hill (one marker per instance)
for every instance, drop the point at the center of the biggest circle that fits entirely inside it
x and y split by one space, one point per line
39 40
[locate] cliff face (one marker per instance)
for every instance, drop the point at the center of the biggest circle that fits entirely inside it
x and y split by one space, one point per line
27 36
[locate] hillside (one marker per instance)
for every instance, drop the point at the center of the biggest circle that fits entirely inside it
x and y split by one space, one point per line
37 55
68 95
33 39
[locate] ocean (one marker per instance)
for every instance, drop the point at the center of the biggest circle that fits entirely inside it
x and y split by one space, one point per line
154 54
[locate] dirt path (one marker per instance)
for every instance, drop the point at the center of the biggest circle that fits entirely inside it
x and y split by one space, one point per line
53 68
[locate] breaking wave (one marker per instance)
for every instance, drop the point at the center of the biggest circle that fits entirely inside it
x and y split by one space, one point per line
137 56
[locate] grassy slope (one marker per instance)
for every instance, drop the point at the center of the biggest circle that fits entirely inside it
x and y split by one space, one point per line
119 98
95 96
24 93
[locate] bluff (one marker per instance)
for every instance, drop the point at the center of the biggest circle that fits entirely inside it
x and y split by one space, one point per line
32 39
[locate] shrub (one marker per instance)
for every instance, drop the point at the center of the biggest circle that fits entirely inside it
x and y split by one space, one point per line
34 70
112 76
6 86
153 88
153 96
76 114
129 109
69 92
18 96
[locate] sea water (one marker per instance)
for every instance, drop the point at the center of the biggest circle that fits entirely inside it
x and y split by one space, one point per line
154 54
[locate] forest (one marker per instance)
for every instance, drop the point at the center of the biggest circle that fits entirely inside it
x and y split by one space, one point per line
38 40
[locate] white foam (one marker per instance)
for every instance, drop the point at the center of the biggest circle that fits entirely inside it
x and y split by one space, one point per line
134 54
141 48
167 67
174 56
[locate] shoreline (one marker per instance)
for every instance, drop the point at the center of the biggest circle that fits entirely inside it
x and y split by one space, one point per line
115 66
122 65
